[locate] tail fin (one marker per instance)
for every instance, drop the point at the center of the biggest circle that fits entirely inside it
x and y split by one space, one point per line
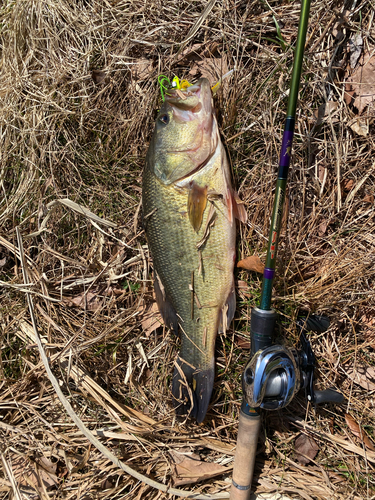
192 389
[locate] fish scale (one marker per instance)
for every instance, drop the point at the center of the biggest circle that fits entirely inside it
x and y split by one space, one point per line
174 243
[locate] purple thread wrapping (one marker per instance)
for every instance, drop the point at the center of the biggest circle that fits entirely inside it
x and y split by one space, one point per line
286 147
269 273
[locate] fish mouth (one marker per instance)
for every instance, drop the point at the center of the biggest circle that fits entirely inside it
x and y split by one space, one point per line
186 100
175 95
197 96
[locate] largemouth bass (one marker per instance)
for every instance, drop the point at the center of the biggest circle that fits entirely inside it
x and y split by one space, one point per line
189 211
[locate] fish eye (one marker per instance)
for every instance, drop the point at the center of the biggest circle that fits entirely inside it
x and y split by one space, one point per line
164 119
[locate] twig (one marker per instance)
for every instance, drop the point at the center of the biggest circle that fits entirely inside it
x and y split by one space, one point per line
11 477
197 25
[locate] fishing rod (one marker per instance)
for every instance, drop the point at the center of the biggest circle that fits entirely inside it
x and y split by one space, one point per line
275 373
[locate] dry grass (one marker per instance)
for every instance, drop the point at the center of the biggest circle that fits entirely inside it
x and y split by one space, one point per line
78 90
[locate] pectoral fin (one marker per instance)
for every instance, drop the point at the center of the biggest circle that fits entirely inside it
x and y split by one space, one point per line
197 202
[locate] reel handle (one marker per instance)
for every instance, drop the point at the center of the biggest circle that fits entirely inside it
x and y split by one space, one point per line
328 396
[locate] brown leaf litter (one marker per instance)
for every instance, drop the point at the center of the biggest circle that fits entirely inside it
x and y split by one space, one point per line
360 93
151 319
359 432
363 375
89 301
305 448
38 474
189 469
251 263
327 111
360 85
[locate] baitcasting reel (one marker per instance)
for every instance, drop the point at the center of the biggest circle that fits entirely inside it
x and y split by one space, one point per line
275 374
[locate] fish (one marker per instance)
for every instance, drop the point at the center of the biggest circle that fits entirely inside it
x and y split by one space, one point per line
189 212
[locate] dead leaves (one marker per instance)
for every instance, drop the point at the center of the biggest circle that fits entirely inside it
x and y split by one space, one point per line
348 185
243 343
192 471
363 376
353 426
99 76
326 110
355 49
206 61
360 93
368 322
88 301
142 69
305 448
82 461
359 432
360 126
98 297
360 86
252 263
350 188
34 476
368 198
189 469
151 319
322 228
211 68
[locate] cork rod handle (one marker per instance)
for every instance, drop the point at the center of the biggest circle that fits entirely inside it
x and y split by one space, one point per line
244 460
